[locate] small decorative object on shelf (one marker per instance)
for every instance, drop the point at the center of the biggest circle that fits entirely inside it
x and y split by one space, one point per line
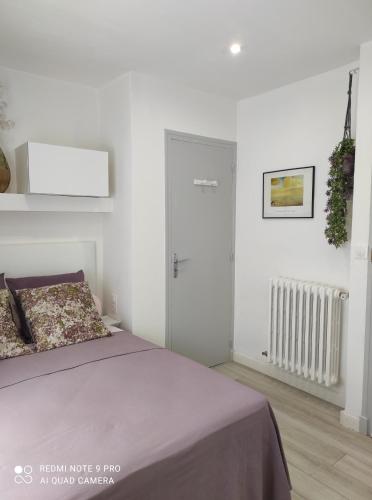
5 124
4 173
340 182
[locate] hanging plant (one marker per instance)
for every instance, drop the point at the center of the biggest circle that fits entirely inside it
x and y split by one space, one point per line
339 191
340 182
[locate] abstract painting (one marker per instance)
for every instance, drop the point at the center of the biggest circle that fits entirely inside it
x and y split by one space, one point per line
288 193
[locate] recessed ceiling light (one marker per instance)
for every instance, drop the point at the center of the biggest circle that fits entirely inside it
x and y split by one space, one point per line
235 48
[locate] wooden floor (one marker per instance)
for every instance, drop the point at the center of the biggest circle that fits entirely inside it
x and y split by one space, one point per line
326 461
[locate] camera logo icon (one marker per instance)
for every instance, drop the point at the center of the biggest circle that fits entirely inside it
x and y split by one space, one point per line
23 474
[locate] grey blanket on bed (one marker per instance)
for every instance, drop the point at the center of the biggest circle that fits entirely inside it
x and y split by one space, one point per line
119 418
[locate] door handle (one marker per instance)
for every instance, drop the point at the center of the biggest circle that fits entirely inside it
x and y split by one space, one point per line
177 261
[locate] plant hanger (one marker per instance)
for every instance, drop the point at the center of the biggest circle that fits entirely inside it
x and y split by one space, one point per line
347 126
341 181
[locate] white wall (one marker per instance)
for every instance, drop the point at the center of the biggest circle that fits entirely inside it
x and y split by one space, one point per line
293 126
116 135
159 105
55 112
358 407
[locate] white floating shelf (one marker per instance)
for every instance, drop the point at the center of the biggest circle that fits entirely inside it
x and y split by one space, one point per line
10 202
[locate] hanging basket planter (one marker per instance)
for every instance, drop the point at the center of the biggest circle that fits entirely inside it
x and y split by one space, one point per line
340 182
348 164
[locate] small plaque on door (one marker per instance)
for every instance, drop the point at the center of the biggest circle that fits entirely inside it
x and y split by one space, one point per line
205 183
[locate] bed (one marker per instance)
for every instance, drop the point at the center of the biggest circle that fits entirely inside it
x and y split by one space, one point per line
120 418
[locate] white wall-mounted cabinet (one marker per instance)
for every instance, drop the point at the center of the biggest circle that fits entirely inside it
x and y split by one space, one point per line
60 170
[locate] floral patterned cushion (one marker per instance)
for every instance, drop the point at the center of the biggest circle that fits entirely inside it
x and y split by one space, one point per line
61 314
10 343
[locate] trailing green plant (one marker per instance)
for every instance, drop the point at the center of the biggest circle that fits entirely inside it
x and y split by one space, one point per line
339 191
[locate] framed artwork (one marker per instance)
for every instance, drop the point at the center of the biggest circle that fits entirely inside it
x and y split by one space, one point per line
288 194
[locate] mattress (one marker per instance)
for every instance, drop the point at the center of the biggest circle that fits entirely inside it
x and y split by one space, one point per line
120 418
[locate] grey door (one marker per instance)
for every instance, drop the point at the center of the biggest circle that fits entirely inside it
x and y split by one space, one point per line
200 245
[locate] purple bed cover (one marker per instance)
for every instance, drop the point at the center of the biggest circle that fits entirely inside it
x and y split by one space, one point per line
120 418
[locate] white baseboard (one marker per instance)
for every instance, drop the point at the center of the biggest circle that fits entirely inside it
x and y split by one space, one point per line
354 422
331 394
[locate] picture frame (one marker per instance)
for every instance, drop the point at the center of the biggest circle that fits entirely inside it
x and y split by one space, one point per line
288 193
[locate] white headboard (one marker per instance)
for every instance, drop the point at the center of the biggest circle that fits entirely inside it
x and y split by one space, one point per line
36 258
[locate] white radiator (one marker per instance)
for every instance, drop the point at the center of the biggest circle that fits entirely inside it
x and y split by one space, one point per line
305 328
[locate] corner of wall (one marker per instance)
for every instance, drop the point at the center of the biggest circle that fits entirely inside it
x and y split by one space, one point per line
356 423
115 103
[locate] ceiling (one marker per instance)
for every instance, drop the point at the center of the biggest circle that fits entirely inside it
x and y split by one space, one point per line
93 41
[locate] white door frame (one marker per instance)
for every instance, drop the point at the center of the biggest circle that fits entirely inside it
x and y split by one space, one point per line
168 236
